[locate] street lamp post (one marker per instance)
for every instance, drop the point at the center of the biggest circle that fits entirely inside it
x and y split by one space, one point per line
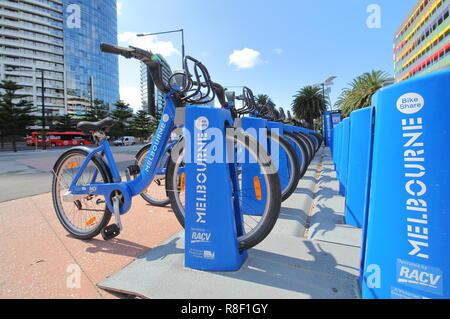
327 82
165 32
44 135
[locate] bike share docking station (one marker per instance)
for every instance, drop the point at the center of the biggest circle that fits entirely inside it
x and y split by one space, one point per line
214 215
391 164
213 218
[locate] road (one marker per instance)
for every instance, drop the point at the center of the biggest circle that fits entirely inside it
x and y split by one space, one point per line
28 173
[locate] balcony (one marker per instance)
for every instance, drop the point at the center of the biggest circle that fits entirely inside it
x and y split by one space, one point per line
29 17
30 46
32 9
32 37
22 53
31 64
29 27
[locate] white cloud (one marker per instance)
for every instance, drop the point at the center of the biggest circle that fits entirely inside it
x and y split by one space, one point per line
132 96
278 51
245 58
151 43
119 8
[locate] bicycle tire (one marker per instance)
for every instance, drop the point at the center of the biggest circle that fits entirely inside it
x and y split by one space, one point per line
57 202
294 162
273 200
152 200
304 151
309 144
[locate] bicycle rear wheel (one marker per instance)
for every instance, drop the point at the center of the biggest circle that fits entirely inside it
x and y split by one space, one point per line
309 145
289 185
256 226
302 149
84 217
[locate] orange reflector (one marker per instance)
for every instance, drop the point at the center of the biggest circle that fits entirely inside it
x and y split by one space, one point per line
183 182
257 185
91 221
72 165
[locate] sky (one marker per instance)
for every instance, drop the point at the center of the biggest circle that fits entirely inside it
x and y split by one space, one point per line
273 47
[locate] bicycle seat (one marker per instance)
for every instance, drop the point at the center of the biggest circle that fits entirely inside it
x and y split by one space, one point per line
105 124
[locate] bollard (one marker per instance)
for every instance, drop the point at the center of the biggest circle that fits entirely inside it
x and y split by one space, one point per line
409 217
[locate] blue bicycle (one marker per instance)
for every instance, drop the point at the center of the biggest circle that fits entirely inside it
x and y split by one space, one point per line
88 190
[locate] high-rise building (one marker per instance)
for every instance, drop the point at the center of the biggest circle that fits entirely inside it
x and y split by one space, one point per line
422 43
32 44
61 40
90 74
152 99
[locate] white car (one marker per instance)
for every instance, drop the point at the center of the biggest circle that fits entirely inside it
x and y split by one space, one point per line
125 141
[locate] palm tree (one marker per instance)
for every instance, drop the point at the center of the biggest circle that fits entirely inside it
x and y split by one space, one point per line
263 99
359 94
309 104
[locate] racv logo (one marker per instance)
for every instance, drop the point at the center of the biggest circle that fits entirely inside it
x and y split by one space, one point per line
421 277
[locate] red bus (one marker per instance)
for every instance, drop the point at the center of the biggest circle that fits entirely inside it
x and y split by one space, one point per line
55 139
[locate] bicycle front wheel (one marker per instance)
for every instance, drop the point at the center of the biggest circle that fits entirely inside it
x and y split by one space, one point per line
259 213
155 194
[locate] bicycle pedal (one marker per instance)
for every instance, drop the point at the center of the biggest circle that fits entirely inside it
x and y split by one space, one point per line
133 170
110 232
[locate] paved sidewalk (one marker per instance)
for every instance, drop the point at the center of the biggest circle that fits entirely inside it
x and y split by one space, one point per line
38 258
309 254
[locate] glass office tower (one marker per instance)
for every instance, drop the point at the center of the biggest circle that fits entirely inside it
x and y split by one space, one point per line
90 74
151 98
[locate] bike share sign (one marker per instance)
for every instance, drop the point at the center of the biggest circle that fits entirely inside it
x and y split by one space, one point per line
212 223
331 120
407 235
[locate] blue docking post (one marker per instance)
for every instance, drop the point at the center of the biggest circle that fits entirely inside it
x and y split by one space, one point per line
343 160
359 166
407 252
213 219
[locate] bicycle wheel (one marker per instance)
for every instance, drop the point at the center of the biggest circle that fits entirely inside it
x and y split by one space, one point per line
309 145
84 217
319 139
293 173
155 194
256 228
301 147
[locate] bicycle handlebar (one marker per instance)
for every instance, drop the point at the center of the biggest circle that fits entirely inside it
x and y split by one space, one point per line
147 57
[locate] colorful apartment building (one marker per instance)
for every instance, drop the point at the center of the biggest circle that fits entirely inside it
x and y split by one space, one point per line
422 43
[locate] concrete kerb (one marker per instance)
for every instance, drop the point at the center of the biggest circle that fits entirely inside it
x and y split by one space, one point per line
298 207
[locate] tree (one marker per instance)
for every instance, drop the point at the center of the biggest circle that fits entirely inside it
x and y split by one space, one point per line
309 104
359 94
122 113
65 123
142 124
15 112
97 111
263 99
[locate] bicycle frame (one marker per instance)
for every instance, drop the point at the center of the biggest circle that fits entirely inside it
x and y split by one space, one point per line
137 186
